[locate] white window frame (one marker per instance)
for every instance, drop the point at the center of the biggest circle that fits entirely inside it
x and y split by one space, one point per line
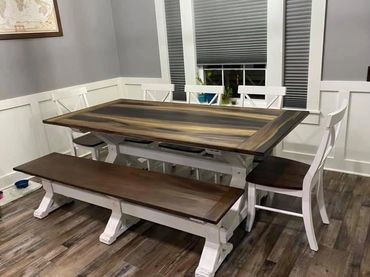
244 68
275 47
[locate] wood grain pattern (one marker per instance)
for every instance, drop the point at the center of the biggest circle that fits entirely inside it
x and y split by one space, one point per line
65 243
279 173
243 130
172 194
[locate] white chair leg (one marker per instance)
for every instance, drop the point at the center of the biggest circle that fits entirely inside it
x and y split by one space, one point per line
308 222
197 174
164 167
320 199
74 150
217 178
95 154
148 164
251 206
270 198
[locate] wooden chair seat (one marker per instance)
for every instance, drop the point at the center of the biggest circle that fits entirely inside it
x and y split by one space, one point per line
182 148
175 195
280 173
88 140
140 141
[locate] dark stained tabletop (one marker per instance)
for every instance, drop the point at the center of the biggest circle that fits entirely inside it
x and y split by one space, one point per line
243 130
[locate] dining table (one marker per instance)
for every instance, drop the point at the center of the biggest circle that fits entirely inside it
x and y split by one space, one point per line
231 138
235 134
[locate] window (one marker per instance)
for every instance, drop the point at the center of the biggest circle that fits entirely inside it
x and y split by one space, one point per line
233 75
175 48
230 32
297 52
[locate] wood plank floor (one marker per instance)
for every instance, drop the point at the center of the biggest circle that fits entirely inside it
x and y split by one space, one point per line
66 242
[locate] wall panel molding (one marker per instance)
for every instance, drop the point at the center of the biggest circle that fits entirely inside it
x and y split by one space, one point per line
24 136
352 152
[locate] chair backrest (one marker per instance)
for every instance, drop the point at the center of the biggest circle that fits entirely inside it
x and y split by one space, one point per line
193 92
332 128
70 100
273 96
158 92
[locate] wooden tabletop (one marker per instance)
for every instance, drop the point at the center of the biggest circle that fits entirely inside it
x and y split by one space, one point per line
243 130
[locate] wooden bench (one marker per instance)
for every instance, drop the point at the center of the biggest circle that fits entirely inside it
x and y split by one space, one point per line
185 204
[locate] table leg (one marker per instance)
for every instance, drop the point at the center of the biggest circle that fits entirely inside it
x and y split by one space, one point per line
112 145
240 167
112 153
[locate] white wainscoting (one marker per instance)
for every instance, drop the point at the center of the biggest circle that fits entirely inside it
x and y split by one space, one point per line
352 151
132 86
23 135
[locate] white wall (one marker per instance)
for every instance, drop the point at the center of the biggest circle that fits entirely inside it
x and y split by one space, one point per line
23 135
347 40
352 151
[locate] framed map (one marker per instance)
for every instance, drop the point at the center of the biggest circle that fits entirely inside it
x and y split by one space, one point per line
29 19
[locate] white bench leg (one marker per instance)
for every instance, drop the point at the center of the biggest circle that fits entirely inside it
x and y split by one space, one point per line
213 254
49 202
117 224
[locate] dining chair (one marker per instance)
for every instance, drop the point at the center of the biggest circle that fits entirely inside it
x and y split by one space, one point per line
71 100
194 91
158 92
288 177
273 96
164 93
192 97
155 92
273 100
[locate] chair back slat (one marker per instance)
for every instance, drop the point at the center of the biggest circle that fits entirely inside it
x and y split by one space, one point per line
273 96
193 91
71 100
158 92
332 128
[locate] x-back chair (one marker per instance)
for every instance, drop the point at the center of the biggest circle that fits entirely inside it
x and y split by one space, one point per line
193 92
71 100
273 96
297 179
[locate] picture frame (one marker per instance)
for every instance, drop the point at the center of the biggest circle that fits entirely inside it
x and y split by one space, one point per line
26 34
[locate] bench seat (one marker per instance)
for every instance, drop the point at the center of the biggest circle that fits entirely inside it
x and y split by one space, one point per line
176 195
207 210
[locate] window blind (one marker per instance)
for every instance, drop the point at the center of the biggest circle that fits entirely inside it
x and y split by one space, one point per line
230 31
297 47
175 48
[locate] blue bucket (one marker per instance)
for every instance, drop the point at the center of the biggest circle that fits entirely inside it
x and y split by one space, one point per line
22 184
202 98
209 97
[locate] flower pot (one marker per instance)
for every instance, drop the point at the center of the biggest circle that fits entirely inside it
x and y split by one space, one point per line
209 97
202 98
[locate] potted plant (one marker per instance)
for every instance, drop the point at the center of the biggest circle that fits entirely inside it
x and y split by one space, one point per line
226 97
202 96
205 97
